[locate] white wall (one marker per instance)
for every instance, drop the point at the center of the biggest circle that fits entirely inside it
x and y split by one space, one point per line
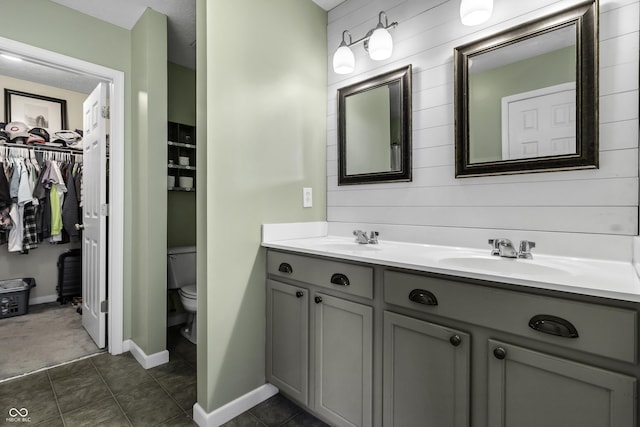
590 207
74 99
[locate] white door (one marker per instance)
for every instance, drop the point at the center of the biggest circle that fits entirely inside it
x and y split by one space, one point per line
539 123
94 196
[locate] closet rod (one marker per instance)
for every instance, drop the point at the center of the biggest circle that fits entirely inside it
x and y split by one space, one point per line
43 148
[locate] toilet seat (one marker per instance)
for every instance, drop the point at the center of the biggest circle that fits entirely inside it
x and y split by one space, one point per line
189 291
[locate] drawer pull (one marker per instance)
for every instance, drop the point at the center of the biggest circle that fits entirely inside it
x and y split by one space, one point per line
299 294
499 353
423 297
285 268
455 340
553 325
318 300
340 279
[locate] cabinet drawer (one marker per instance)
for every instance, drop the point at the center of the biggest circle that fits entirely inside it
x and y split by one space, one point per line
602 330
348 278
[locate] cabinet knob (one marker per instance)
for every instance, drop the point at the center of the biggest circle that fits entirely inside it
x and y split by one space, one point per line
285 268
318 300
455 340
499 353
299 294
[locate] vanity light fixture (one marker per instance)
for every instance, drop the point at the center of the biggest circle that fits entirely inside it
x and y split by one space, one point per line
475 12
377 42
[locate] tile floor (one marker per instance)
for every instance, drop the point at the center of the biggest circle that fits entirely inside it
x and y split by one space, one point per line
116 391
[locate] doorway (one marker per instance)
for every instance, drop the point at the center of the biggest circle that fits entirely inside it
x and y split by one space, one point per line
115 209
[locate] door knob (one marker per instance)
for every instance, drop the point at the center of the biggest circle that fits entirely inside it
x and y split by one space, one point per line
79 227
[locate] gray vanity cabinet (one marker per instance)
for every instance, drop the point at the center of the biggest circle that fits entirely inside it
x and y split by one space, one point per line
529 388
343 361
320 336
426 373
364 345
288 339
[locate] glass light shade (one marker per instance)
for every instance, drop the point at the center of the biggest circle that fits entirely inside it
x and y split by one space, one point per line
475 12
343 60
380 44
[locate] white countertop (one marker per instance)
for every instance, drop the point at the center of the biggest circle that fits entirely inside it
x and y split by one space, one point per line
601 278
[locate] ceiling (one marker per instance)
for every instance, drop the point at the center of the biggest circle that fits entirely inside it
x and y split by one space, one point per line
181 22
181 35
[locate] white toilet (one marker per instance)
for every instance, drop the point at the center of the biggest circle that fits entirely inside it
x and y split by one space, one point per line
181 274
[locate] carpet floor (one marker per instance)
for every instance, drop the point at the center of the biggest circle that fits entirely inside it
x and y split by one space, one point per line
48 335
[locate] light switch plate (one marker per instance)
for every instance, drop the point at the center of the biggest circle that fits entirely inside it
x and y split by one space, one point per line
307 197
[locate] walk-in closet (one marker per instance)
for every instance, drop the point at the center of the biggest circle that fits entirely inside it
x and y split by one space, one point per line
42 191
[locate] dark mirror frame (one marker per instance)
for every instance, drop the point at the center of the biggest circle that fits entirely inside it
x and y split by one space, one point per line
403 76
585 17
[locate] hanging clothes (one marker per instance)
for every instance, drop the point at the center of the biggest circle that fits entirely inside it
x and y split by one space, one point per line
35 201
16 233
71 208
5 206
5 196
29 235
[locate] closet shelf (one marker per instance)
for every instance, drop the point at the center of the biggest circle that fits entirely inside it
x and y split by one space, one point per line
181 144
181 157
170 166
40 147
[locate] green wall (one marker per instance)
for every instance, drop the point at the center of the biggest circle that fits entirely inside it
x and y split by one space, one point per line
265 140
181 206
182 94
149 157
488 88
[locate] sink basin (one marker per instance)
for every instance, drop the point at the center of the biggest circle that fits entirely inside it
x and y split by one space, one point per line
499 265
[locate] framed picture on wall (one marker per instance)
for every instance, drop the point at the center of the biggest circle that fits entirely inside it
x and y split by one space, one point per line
35 110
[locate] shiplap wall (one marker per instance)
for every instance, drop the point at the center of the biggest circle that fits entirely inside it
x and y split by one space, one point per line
601 202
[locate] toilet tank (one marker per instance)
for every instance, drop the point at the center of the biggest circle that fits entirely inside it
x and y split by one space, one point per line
181 266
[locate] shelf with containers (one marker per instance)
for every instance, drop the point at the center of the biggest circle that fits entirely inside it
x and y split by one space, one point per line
181 167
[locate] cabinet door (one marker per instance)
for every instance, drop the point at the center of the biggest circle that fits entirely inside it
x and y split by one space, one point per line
426 373
527 388
343 361
288 339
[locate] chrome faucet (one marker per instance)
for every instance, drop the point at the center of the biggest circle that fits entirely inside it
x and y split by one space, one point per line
525 249
361 236
503 247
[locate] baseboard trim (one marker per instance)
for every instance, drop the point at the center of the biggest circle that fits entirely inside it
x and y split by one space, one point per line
146 361
234 408
43 299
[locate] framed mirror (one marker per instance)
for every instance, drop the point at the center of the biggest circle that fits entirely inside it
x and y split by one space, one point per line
526 99
374 129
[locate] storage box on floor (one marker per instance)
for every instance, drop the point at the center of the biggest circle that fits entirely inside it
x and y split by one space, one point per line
14 296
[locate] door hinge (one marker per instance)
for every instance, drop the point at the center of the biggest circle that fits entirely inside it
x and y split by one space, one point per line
104 209
106 112
104 306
